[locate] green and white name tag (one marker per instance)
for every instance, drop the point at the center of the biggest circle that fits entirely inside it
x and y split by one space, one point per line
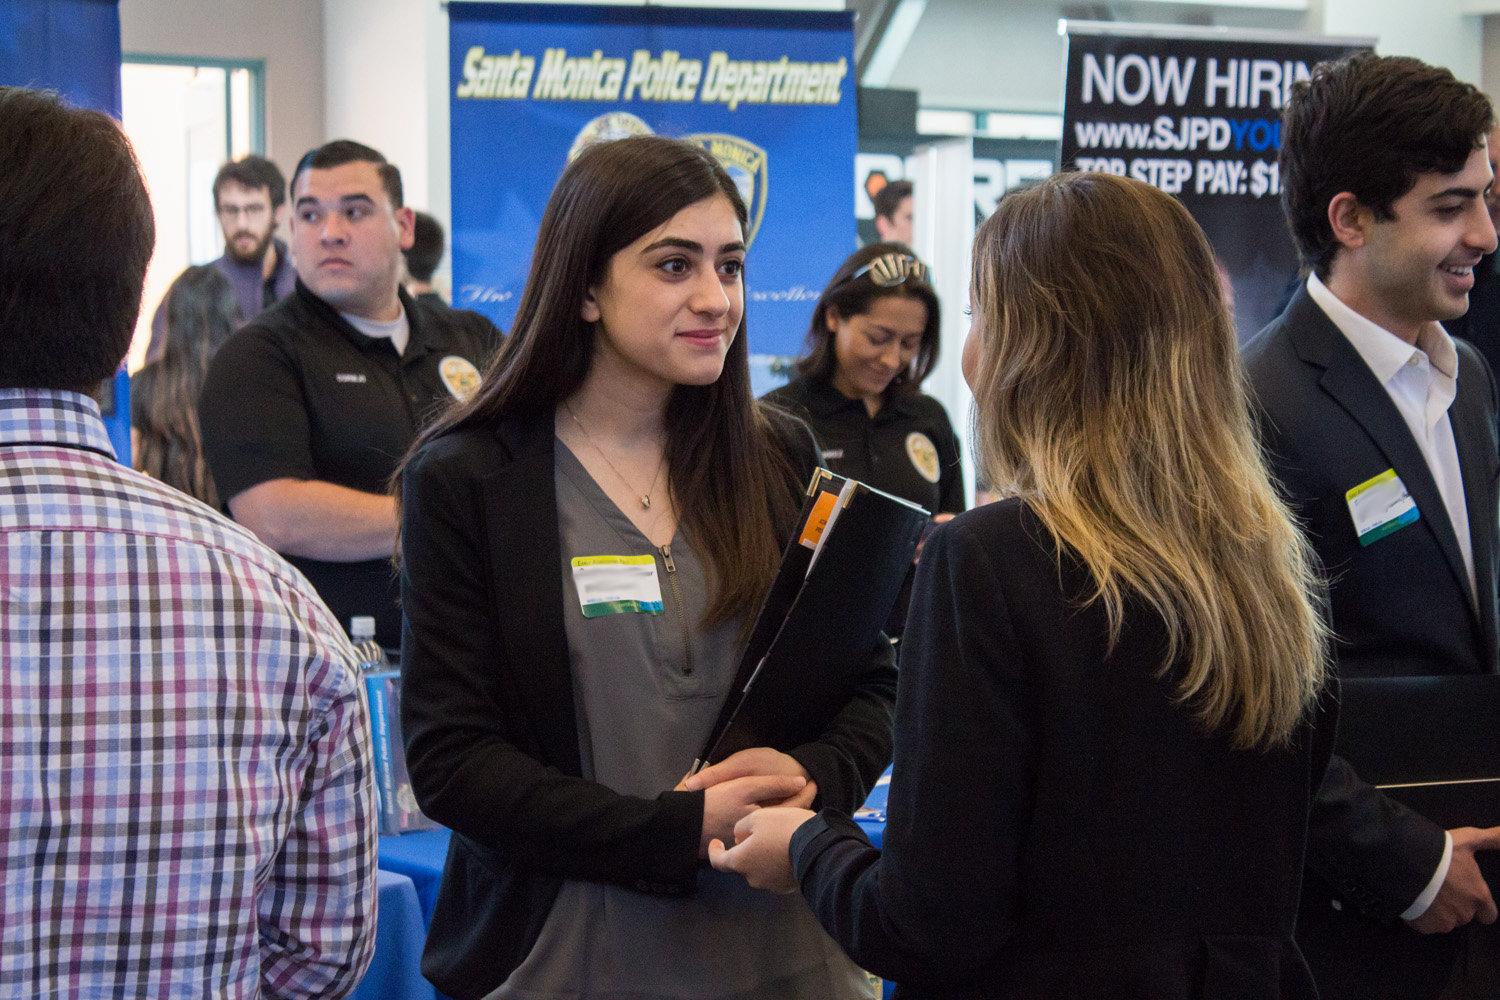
613 585
1380 506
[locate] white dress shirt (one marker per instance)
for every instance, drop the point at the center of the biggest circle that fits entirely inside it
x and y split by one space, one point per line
1422 381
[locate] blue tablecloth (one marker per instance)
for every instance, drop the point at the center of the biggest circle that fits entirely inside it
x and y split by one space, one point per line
419 856
395 972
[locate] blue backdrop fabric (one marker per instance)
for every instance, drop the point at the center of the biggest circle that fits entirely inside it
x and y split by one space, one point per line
72 47
772 94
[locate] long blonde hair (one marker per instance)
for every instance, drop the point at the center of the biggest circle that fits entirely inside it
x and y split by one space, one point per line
1111 399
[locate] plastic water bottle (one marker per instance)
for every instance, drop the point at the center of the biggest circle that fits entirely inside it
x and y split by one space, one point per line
362 632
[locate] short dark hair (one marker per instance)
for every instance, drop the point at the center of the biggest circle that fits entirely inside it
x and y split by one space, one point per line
342 151
852 296
252 172
426 248
76 234
887 200
1370 125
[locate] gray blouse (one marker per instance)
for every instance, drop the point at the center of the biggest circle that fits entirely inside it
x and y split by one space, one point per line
647 687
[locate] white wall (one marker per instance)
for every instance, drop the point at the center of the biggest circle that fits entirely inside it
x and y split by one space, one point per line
287 36
375 59
1489 69
1006 54
1435 31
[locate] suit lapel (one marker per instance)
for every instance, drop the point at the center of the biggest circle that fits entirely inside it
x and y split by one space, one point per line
1474 438
1349 381
521 509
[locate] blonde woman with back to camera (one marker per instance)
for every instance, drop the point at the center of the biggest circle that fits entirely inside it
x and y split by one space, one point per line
1112 713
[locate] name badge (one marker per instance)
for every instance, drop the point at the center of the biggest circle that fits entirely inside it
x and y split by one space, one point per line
1380 506
613 585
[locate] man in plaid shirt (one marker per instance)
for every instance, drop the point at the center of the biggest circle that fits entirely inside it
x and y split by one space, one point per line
185 769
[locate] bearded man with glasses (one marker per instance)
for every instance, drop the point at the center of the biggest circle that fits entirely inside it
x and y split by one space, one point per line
250 202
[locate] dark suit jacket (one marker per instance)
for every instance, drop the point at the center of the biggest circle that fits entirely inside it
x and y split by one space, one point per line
488 713
1059 825
1402 605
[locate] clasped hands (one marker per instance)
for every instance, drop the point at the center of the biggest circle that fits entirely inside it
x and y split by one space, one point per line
1464 896
755 799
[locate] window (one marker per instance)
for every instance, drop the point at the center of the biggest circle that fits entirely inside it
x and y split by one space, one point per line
186 117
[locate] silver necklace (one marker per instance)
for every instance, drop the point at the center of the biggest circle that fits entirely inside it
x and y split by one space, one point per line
644 498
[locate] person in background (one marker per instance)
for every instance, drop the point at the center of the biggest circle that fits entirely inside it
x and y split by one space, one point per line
1110 722
201 314
1384 170
584 546
250 202
308 408
893 212
422 259
187 790
872 340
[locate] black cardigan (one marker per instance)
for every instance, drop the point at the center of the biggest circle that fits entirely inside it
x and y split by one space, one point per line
1059 826
488 712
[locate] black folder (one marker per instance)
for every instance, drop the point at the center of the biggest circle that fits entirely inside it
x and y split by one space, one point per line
1431 743
821 619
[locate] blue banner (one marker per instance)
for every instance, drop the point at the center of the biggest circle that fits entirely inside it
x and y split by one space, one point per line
72 47
771 94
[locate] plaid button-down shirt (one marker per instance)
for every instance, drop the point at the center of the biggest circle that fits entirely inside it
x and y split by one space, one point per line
185 776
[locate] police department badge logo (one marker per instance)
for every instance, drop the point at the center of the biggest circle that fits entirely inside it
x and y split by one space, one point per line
745 163
460 377
923 455
607 127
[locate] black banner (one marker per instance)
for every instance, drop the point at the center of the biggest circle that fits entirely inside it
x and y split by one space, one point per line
1199 118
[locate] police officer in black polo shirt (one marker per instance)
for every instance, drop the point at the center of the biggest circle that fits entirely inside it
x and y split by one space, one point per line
873 339
308 408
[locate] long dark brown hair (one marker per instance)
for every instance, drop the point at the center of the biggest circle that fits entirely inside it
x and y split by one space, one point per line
854 297
201 314
725 470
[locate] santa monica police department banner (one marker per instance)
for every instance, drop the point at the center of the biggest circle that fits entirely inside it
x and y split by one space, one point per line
770 94
1198 115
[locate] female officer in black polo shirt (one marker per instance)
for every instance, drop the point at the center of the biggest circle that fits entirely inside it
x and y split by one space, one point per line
873 339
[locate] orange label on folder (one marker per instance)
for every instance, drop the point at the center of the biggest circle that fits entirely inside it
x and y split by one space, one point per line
818 519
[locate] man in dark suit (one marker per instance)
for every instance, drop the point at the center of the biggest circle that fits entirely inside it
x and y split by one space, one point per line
1381 431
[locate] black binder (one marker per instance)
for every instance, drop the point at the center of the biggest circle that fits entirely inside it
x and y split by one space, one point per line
1432 743
839 578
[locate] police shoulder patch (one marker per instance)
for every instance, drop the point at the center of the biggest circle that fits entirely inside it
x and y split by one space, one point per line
459 376
923 455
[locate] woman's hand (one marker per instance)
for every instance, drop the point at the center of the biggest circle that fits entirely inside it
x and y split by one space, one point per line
728 802
762 850
757 761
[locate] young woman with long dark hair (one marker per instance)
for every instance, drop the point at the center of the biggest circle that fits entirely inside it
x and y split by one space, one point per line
1109 733
584 545
201 312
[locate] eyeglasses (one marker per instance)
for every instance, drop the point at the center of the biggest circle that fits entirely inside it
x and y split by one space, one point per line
250 212
889 270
